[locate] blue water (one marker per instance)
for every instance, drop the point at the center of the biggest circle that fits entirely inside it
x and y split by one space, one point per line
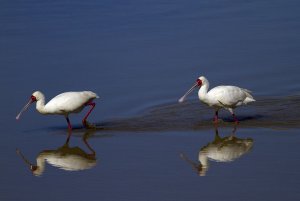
140 56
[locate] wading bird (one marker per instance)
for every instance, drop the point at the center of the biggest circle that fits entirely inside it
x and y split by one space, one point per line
63 104
227 97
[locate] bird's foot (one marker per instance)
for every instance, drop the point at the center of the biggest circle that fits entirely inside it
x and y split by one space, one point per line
236 121
88 125
217 121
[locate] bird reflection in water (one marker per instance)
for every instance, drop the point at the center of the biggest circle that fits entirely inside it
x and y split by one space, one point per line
226 149
65 157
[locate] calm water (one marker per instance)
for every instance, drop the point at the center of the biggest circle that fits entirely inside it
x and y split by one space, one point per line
140 56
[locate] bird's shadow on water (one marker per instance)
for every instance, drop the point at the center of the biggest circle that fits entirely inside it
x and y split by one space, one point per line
146 123
77 131
241 118
244 118
244 121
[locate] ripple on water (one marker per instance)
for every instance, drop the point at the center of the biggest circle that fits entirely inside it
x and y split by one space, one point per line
276 113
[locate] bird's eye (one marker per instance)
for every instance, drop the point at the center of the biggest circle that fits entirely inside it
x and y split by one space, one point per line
33 98
199 82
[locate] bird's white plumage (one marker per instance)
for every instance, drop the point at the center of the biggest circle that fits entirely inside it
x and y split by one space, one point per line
69 102
227 97
63 104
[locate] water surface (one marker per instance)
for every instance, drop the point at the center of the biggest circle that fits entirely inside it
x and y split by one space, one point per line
140 56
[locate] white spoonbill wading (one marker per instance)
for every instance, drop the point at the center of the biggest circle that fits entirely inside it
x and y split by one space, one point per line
227 97
63 104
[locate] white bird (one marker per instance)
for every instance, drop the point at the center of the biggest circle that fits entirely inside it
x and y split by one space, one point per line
227 97
63 104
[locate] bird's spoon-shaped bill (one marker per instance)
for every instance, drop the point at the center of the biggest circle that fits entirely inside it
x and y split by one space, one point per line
187 93
24 108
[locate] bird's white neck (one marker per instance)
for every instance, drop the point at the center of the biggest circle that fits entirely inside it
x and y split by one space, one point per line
202 93
40 105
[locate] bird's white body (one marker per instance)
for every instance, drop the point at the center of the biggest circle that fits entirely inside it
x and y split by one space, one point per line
227 97
64 103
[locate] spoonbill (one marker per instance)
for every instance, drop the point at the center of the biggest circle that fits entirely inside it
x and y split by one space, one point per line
227 97
63 104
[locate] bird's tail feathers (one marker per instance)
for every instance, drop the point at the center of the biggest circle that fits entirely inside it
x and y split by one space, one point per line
249 97
94 95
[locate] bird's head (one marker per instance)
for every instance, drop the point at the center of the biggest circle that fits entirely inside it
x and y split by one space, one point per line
37 95
199 82
33 98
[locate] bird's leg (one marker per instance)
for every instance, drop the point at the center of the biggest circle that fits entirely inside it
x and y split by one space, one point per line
69 124
84 121
233 115
235 119
216 116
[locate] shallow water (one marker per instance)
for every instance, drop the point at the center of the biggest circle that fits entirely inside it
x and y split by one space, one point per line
275 113
140 57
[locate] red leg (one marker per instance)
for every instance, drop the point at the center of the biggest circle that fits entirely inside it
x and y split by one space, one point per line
84 122
235 119
216 117
69 124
